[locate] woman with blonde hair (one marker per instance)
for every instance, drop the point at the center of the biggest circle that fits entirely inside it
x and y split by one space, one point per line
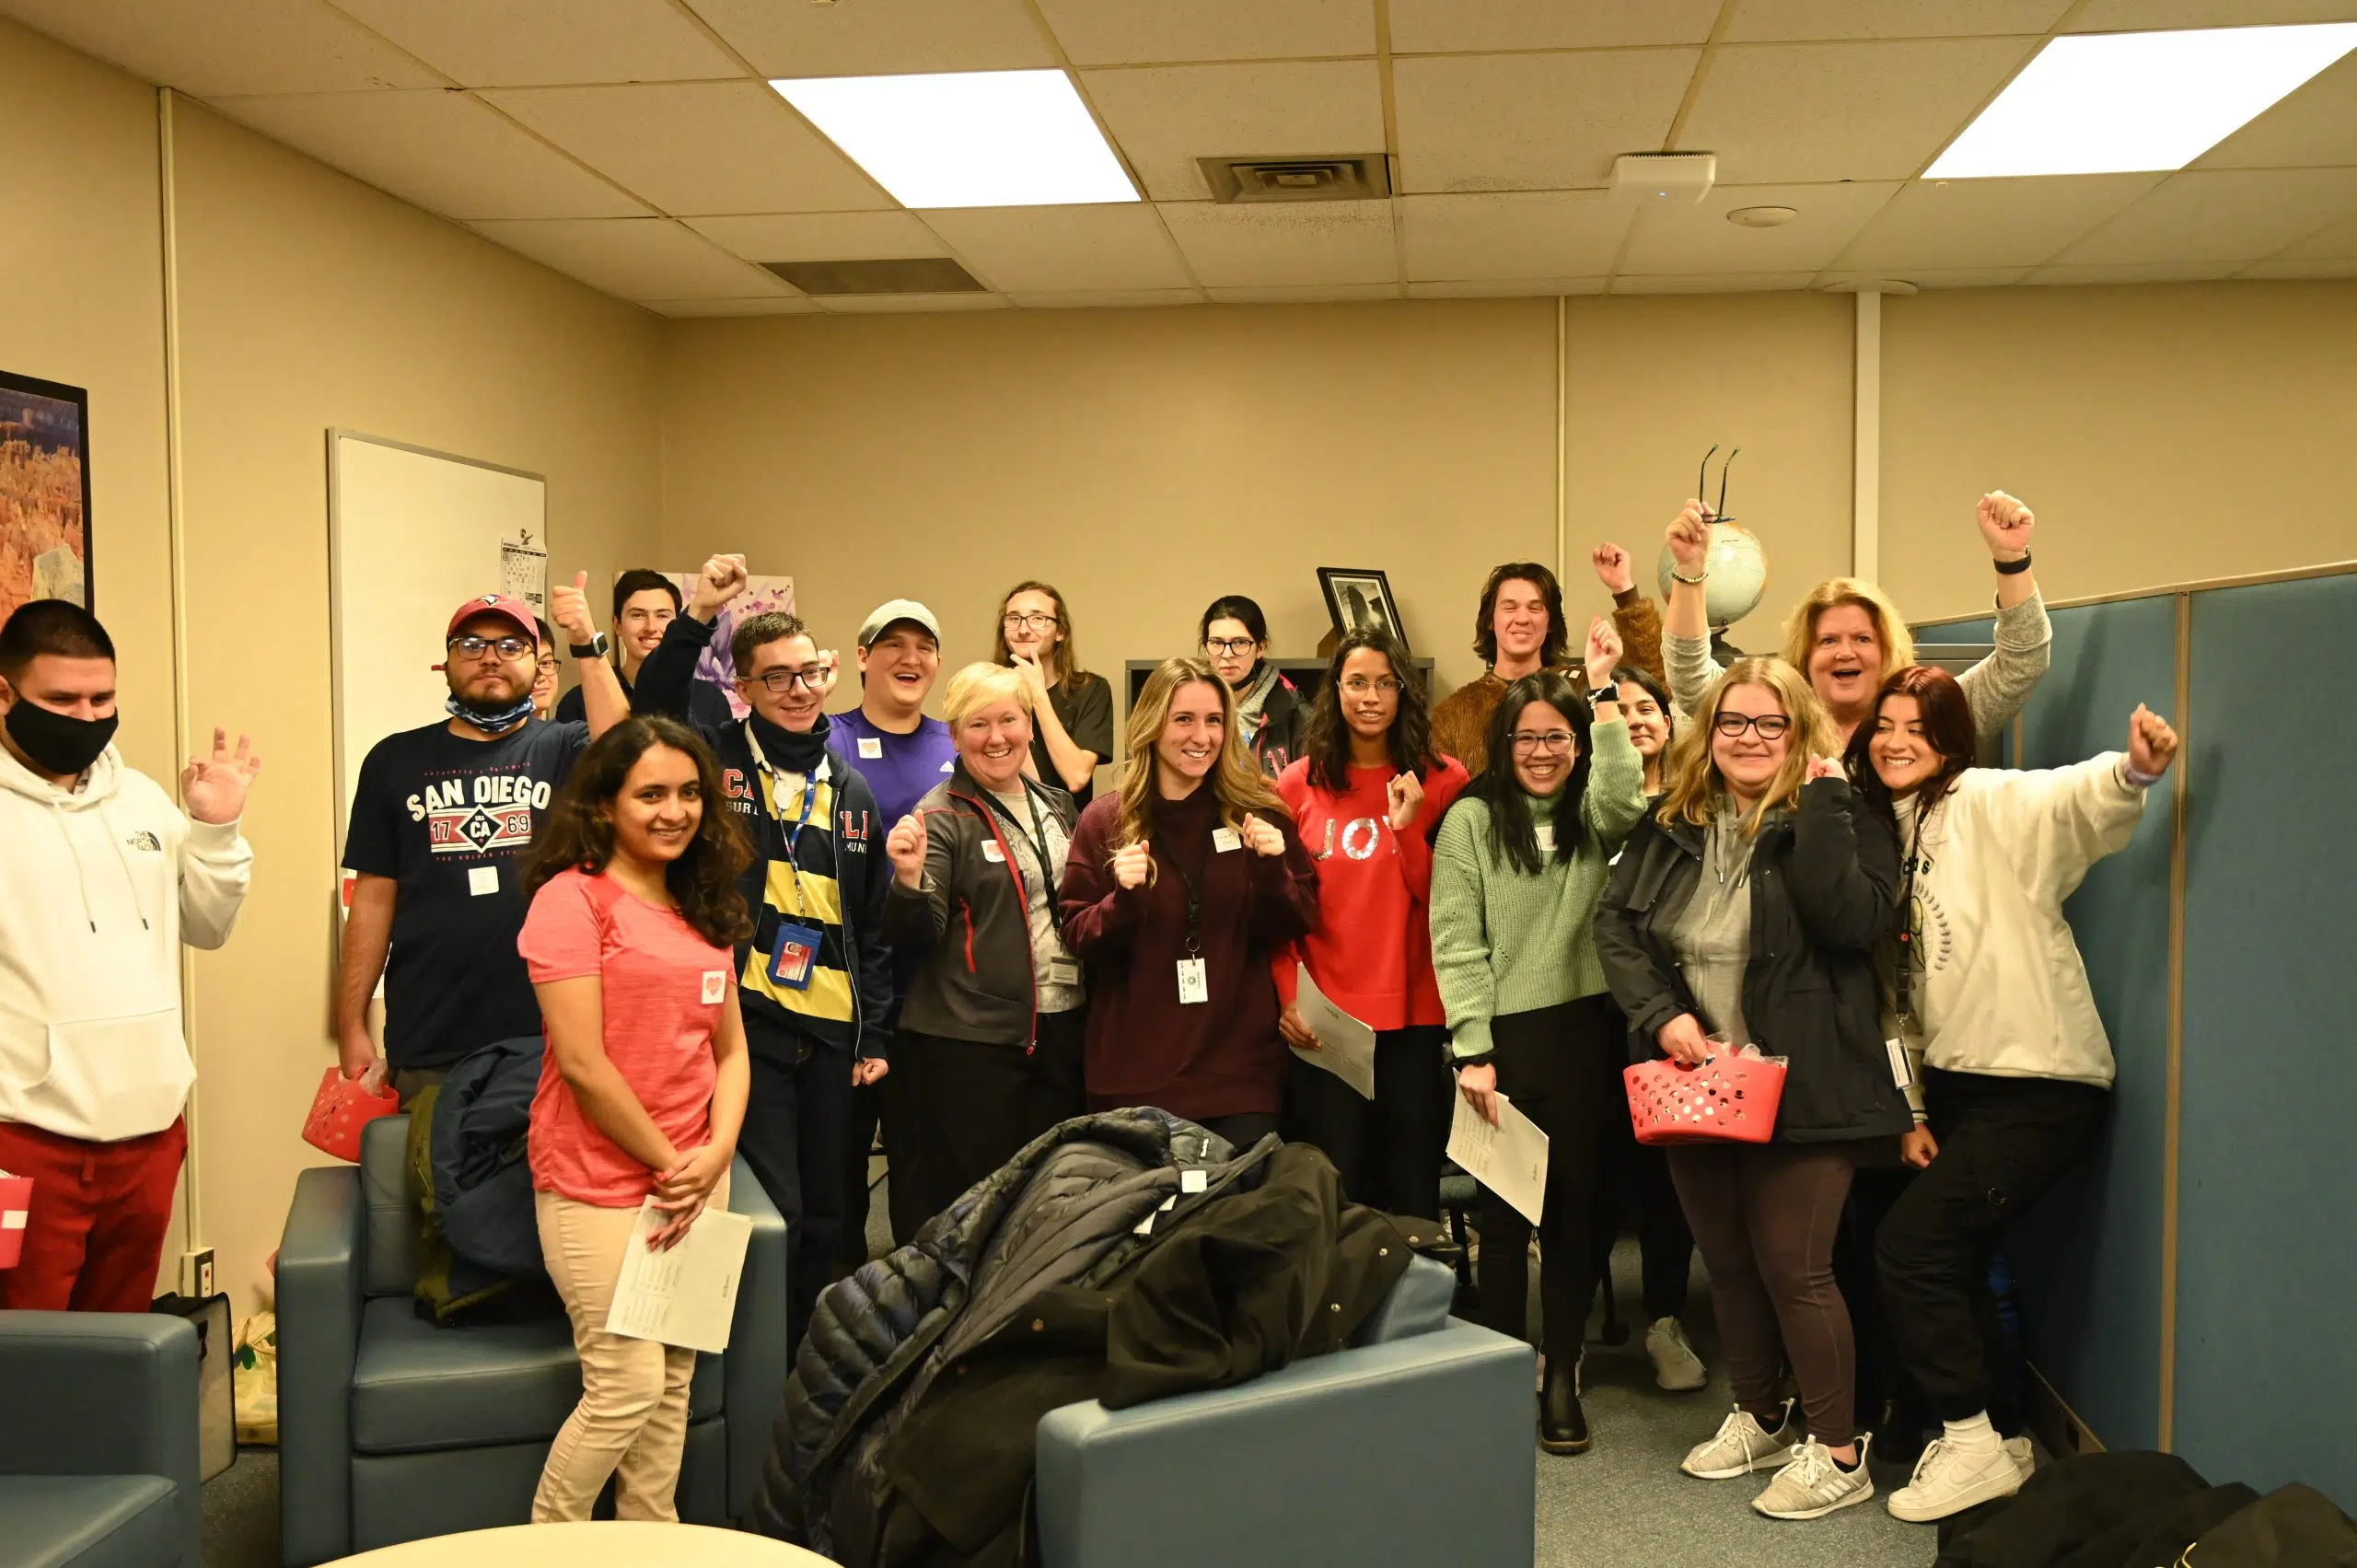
1745 912
1848 637
1178 890
1072 711
989 1047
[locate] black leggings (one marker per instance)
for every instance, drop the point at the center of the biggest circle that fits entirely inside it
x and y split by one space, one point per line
1561 1067
1388 1150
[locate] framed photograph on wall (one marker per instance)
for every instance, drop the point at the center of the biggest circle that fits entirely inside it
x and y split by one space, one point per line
44 492
1359 596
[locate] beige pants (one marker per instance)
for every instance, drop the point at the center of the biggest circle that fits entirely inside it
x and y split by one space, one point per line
632 1417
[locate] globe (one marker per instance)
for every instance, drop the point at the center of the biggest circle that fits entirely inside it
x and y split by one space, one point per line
1738 571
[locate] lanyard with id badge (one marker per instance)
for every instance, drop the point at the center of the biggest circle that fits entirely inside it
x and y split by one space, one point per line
794 951
1062 969
1194 980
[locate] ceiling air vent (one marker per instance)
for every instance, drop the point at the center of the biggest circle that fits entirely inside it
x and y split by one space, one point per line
899 275
1350 177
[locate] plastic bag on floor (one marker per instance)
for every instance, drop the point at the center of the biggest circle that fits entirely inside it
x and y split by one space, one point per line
257 1380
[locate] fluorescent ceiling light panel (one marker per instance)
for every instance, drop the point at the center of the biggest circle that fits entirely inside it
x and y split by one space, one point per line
967 138
2121 103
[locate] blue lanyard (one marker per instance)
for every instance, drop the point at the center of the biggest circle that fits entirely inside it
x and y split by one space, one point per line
810 783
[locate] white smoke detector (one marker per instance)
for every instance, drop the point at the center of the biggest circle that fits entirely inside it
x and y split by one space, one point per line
1663 178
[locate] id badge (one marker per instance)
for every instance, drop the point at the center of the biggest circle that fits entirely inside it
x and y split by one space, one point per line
795 954
1063 972
1194 985
1902 1071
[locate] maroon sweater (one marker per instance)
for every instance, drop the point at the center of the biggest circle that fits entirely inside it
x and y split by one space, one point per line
1220 1057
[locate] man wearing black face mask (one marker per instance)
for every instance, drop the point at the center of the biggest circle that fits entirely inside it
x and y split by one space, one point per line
438 818
102 879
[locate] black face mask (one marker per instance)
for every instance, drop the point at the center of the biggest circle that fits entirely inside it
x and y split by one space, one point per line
57 743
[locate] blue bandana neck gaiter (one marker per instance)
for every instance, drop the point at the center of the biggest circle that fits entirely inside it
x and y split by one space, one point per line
499 721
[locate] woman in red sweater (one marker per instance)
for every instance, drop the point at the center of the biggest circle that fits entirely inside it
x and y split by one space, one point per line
1367 793
1176 892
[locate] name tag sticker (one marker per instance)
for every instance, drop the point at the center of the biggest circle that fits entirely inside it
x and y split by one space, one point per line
1225 839
1194 1180
1546 831
870 747
715 986
992 853
1063 972
1194 985
481 879
794 954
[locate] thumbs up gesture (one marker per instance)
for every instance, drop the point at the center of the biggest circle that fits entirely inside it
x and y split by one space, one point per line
1134 865
1261 837
905 846
569 609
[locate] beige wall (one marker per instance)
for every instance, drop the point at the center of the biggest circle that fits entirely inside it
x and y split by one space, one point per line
2163 435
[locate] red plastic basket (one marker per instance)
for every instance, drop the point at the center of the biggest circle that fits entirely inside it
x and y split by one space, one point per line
15 1209
1728 1100
341 1109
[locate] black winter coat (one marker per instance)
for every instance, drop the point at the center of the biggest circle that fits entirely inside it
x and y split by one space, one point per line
1824 885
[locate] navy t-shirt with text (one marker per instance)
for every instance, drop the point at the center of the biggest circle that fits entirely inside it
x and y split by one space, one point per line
448 821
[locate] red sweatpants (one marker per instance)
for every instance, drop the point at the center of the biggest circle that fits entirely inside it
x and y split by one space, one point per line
99 1211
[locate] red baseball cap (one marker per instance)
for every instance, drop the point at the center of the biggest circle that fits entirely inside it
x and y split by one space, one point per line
506 606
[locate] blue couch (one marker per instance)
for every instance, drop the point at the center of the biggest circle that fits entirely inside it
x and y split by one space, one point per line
98 1441
1415 1446
391 1429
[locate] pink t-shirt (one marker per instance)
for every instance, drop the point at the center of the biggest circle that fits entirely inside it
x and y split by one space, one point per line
663 989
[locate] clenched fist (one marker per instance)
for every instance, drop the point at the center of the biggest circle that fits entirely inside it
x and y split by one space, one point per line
2152 744
717 585
2006 525
1407 798
1689 538
905 846
1603 651
1612 568
1134 865
1261 838
1824 768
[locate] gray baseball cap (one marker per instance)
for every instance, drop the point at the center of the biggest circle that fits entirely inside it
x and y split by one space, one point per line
892 611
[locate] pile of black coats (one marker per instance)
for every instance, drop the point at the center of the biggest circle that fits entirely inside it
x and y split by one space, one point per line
1122 1256
2137 1510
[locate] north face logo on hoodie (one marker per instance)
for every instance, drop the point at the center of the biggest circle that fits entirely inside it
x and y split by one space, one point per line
147 840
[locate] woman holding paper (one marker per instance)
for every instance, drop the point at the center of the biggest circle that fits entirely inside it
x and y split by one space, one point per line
1516 874
634 913
1366 796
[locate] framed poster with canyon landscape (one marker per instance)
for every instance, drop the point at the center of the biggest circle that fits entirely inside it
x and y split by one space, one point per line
44 492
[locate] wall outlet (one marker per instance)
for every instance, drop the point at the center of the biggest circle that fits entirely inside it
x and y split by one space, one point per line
196 1273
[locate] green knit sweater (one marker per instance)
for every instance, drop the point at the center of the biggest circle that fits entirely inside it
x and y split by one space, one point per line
1505 941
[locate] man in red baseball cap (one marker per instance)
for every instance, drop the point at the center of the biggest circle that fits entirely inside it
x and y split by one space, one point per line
439 817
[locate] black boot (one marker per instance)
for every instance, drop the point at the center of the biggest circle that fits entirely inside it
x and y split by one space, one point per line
1563 1425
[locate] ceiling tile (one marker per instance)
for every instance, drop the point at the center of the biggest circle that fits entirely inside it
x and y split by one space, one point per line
435 149
2146 272
1504 289
1990 223
1931 278
909 304
821 236
1420 27
781 305
791 38
484 43
1303 293
1105 298
2332 244
704 147
1699 238
1281 244
635 258
1532 122
1519 233
1147 32
1785 20
2127 16
2236 215
2316 124
1166 117
260 46
1728 283
1038 249
2285 267
1784 112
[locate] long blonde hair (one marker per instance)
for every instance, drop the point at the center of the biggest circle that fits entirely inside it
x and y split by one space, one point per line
1695 789
1890 627
1236 780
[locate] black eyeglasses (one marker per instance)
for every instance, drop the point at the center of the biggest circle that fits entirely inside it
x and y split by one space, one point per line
1702 480
1228 647
779 681
475 647
1015 621
1771 726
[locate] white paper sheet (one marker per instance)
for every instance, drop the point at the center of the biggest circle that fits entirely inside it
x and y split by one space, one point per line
685 1296
1510 1159
1345 1046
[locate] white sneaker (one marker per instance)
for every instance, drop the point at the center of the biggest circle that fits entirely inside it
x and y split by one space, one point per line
1813 1486
1953 1475
1741 1447
1676 1366
2024 1458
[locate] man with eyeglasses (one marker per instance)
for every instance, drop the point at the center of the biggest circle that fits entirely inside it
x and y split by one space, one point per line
440 815
816 978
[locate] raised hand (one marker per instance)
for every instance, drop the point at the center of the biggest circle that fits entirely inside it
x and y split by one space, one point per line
213 788
569 610
2152 744
1261 838
718 586
1824 768
1689 538
1603 651
1134 865
2006 526
1612 568
905 846
1407 795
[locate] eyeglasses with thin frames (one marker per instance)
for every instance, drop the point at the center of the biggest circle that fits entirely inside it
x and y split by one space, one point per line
1038 621
1548 740
1382 686
1771 726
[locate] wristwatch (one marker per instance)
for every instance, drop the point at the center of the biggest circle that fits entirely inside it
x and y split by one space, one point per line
594 648
1608 693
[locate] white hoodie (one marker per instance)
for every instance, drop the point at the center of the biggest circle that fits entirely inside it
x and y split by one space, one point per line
2003 990
98 887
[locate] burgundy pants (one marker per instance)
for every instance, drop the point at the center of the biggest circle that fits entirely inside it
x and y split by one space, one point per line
100 1212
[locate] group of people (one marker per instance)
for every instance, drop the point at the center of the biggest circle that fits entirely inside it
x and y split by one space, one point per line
778 931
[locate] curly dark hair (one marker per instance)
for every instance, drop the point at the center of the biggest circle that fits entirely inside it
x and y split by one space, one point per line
577 833
1327 741
1512 839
